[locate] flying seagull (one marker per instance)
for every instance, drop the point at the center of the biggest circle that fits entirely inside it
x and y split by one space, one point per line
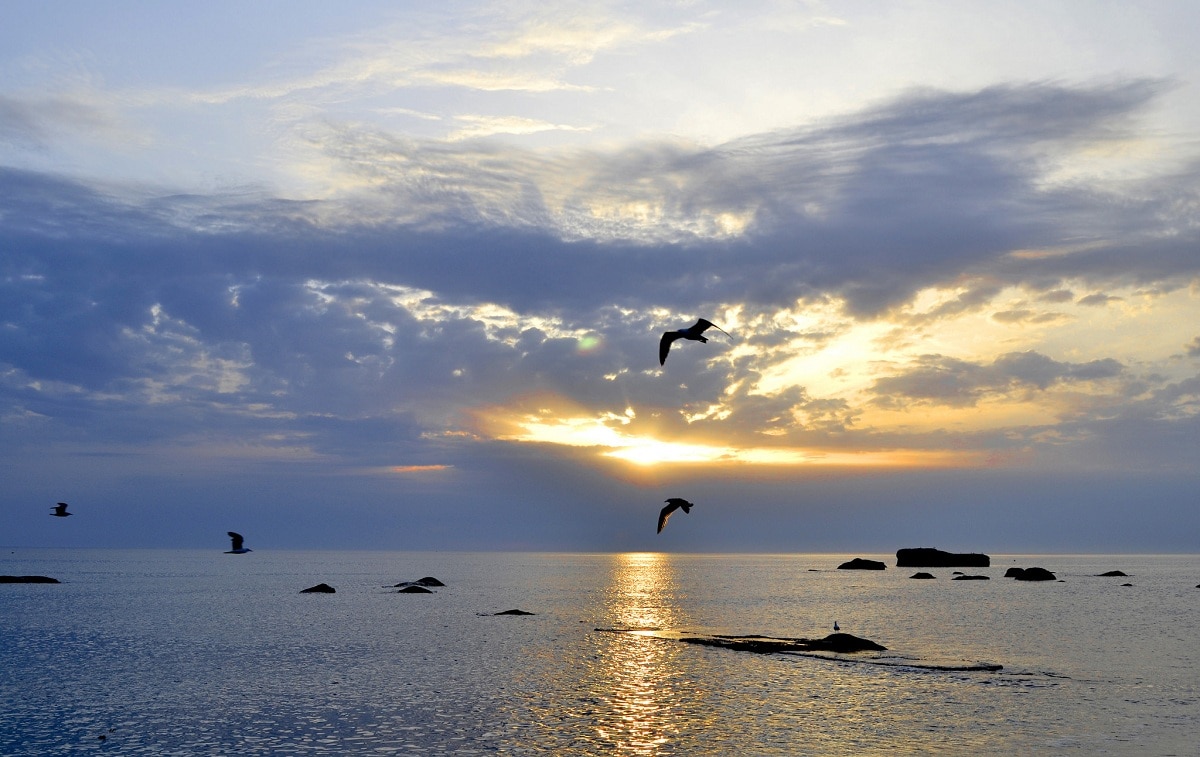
60 510
673 504
695 333
237 549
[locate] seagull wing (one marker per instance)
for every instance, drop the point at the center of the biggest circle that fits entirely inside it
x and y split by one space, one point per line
665 513
237 539
664 345
702 325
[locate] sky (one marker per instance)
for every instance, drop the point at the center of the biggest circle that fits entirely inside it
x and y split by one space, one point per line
378 275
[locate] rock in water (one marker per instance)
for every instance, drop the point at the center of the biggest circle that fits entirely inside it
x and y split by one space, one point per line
1035 574
28 580
1115 573
928 557
964 577
319 589
513 612
922 575
414 589
860 563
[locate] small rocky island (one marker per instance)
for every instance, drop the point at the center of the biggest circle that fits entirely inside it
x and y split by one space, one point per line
28 580
928 557
860 563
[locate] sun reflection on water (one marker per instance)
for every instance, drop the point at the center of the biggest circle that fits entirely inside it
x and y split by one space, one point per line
637 677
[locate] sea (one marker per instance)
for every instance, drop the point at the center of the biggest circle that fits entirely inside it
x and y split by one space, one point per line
204 653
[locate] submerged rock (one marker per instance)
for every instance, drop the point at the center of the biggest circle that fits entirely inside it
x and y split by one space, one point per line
513 612
28 580
860 563
922 575
426 581
414 589
965 577
928 557
319 589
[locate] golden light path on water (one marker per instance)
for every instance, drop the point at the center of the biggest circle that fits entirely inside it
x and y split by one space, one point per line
639 678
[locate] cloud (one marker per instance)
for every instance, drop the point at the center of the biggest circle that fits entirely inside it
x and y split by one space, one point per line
941 380
438 282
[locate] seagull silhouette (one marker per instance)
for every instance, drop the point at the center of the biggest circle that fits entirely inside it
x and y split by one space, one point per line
694 332
60 510
673 504
237 548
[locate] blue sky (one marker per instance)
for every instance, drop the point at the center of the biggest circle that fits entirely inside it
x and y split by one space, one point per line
393 275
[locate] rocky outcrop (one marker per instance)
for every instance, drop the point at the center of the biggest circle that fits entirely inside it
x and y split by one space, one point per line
928 557
319 589
1030 574
513 612
965 577
1115 574
860 563
922 575
28 580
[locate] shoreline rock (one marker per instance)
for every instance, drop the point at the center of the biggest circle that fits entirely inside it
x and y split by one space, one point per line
929 557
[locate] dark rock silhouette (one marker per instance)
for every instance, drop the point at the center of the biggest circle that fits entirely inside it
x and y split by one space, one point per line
28 580
834 642
965 577
860 563
414 589
1031 574
319 589
1127 584
1115 573
922 575
513 612
928 557
1013 572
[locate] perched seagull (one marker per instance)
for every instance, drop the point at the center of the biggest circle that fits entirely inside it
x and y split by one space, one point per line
60 510
237 549
673 504
691 332
836 627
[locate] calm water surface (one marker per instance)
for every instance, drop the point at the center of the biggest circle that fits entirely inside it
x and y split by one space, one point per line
205 653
